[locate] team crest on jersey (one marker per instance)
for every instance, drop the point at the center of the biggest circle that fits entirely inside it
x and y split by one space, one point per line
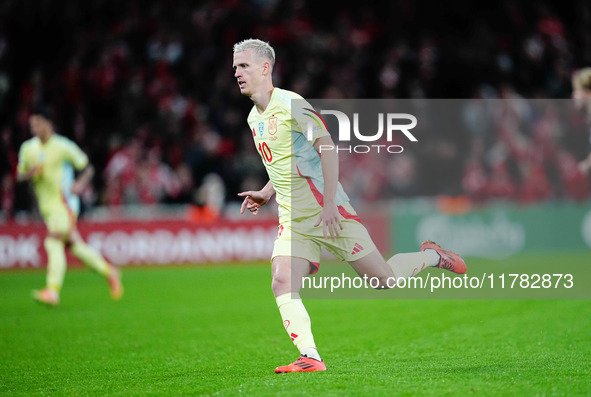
261 128
273 125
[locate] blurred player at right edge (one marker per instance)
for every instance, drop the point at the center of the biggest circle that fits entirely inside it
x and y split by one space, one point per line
582 97
314 211
49 160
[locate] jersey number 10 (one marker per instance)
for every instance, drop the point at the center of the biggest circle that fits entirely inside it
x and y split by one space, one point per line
265 152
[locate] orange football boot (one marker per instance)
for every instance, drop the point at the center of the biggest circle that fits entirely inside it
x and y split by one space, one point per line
449 260
115 285
46 296
303 364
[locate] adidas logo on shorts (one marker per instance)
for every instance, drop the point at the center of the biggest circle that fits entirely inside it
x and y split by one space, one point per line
358 248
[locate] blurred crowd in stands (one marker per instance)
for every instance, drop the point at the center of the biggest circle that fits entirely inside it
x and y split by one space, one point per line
147 90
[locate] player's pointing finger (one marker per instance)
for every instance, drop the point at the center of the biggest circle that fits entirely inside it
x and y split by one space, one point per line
244 203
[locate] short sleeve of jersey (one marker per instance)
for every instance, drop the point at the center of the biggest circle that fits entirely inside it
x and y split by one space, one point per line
307 120
74 155
23 163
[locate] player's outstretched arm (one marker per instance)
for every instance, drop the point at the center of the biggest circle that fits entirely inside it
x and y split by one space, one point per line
83 179
329 217
253 200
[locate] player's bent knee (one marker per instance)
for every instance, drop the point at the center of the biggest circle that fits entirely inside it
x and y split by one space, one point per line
58 236
385 282
74 236
288 273
281 284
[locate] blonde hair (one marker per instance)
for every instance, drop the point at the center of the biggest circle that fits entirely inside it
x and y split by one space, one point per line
260 48
582 79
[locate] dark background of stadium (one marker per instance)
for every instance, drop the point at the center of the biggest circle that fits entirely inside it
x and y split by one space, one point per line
152 81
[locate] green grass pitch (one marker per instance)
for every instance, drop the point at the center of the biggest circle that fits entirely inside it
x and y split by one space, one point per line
216 331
